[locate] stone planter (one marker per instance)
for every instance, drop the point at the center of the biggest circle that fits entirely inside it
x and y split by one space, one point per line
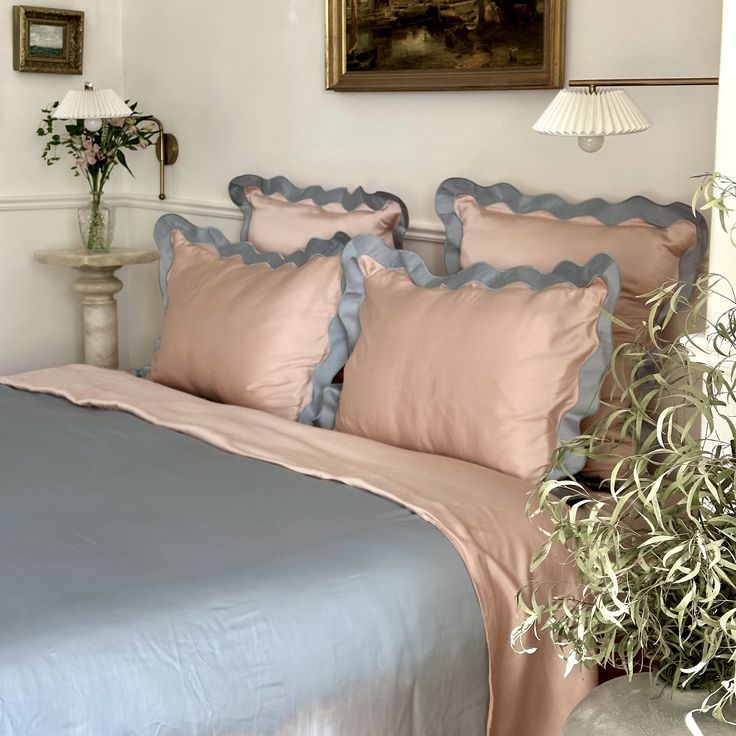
640 708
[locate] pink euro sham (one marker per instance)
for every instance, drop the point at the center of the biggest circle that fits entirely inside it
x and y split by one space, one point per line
481 374
281 217
647 256
249 335
280 226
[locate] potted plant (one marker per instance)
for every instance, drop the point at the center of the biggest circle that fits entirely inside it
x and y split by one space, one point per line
656 548
96 154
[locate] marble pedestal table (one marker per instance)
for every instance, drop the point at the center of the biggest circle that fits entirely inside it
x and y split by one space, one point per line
97 288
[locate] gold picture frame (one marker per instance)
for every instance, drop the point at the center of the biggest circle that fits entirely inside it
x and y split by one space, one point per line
356 58
47 40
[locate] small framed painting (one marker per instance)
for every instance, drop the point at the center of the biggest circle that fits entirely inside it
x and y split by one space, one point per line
385 45
47 40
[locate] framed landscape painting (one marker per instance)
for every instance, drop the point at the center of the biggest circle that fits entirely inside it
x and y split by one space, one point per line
444 44
47 40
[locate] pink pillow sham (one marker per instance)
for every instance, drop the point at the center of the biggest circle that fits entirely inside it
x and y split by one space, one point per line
492 367
647 256
280 226
252 335
282 218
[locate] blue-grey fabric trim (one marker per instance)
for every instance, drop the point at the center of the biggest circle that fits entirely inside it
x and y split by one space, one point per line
600 266
337 352
348 200
608 213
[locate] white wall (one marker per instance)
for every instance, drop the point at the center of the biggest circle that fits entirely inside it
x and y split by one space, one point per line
39 316
723 253
241 85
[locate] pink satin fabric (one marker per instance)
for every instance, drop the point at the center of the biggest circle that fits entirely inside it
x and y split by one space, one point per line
647 257
246 335
477 374
280 226
480 511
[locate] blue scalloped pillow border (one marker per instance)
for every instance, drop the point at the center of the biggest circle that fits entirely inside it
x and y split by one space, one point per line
337 352
347 199
599 266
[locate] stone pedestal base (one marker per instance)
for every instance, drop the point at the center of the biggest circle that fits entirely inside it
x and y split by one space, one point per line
97 288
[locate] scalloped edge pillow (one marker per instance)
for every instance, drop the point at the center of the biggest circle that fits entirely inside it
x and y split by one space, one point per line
247 328
489 366
280 217
651 243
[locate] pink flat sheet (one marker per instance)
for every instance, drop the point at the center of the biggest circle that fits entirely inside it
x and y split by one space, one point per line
482 512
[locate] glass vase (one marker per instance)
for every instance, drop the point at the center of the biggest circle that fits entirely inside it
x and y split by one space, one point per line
96 224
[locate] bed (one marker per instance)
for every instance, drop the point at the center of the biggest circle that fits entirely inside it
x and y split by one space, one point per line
243 545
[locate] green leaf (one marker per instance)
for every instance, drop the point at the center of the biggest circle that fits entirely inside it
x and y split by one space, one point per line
121 159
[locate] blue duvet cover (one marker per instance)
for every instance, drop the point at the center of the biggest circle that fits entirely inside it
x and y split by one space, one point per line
153 585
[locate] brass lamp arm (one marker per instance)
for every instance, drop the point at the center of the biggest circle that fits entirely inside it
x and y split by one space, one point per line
167 151
592 84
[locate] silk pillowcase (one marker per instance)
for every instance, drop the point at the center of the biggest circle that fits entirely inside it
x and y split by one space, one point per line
489 366
282 218
652 245
252 329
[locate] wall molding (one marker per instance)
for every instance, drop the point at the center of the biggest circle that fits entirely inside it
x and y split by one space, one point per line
421 232
218 210
38 202
424 233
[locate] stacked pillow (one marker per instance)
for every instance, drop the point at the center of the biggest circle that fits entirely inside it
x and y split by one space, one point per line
491 366
495 364
281 217
248 328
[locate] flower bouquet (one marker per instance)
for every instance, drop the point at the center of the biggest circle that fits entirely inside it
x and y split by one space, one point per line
96 153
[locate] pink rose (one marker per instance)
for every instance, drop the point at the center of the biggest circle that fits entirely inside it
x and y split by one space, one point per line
118 122
91 152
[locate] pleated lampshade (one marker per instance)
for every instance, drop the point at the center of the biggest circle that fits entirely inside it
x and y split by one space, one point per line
91 104
583 113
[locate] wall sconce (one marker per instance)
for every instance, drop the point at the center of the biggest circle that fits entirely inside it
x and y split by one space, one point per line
93 106
591 114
